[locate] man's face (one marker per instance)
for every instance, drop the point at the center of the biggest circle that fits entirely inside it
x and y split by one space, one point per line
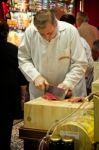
49 32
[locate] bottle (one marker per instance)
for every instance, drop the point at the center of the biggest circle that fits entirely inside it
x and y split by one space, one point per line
67 143
54 143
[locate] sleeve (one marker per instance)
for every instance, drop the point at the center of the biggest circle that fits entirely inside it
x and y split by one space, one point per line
24 56
79 63
88 53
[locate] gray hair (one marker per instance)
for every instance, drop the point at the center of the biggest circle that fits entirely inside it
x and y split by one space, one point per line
83 16
43 17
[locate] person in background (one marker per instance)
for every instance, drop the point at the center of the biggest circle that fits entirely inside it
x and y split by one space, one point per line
4 10
70 18
86 30
95 50
95 55
50 54
89 73
59 11
13 87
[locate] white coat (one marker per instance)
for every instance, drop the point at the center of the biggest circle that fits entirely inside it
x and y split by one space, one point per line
63 59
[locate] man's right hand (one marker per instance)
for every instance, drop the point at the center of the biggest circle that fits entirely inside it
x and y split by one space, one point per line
41 83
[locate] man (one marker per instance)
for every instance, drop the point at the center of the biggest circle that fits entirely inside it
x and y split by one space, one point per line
87 31
50 54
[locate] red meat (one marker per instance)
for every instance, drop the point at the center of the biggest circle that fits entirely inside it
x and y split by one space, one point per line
50 96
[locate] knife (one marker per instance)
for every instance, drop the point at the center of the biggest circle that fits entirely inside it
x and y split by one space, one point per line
55 92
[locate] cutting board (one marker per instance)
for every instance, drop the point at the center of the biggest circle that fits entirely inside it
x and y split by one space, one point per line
42 114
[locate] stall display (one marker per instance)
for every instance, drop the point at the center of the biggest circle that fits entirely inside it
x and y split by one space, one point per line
22 13
20 19
15 37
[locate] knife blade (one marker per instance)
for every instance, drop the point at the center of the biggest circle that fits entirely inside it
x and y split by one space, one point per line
55 91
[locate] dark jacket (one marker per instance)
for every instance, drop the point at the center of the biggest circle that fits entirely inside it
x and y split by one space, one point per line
10 78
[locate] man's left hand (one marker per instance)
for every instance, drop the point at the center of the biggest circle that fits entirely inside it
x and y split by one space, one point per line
68 91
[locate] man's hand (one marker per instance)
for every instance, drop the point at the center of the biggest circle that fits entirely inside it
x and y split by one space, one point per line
41 83
68 91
